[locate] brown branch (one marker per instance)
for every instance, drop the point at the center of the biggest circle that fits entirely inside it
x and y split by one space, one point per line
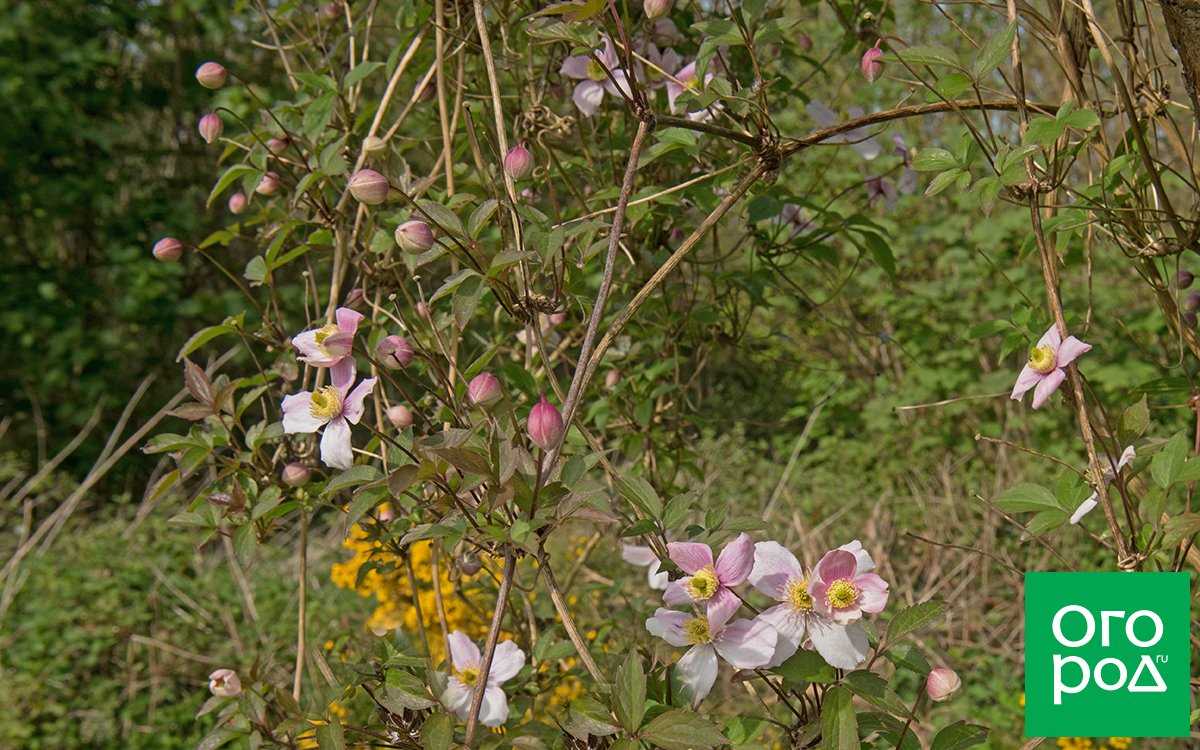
489 649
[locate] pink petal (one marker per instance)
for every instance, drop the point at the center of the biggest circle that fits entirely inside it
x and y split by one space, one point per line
1071 350
297 414
746 644
621 86
697 671
668 625
306 345
865 563
608 54
841 646
575 67
635 554
588 97
335 444
507 660
347 320
1049 385
1028 378
774 567
836 564
789 626
493 712
464 654
736 561
1051 338
721 607
676 593
873 595
1127 455
338 345
342 373
691 557
352 407
1087 506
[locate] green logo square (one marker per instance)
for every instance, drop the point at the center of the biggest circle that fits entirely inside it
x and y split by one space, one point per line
1107 654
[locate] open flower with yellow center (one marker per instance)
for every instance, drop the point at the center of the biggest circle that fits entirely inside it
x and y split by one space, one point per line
710 583
1045 370
745 644
507 660
334 407
778 574
594 82
644 557
687 79
330 345
843 588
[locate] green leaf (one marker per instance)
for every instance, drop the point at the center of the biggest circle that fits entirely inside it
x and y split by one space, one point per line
452 283
587 716
1179 528
914 618
882 253
479 218
403 690
639 492
1046 520
943 181
839 725
1044 131
330 736
924 55
202 337
256 270
437 733
682 730
361 71
1081 119
959 736
1027 497
631 692
352 477
1135 420
446 219
804 667
227 178
874 689
1168 462
934 160
993 52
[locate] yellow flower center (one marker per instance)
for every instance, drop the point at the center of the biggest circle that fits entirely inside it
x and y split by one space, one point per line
697 631
703 585
798 596
469 676
1042 359
595 71
325 332
841 594
326 403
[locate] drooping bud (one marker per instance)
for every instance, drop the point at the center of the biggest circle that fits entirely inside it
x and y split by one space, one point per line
518 162
423 310
354 297
373 144
545 424
656 8
211 75
278 145
469 563
210 127
400 416
484 389
414 236
268 185
871 65
168 249
368 186
611 378
942 683
1184 278
1192 302
237 202
295 474
224 683
394 352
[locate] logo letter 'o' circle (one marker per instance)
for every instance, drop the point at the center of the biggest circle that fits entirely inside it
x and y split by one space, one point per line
1158 628
1098 674
1090 621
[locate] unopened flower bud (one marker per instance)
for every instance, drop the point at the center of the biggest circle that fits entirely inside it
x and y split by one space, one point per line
373 144
354 297
268 185
556 319
484 389
656 8
469 564
423 310
942 683
518 162
237 202
1192 302
211 75
278 145
368 186
611 378
168 249
414 236
1184 278
400 416
331 11
871 65
210 127
394 352
295 474
224 683
545 425
804 42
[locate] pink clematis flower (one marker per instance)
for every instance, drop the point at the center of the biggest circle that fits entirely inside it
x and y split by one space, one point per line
778 574
330 345
644 557
593 81
334 407
1110 473
224 683
686 79
842 586
745 644
663 63
507 660
1044 372
710 584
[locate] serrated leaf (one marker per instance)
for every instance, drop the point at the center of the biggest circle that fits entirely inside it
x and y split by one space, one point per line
638 491
804 667
682 730
943 181
437 733
630 692
914 618
587 716
993 52
446 219
959 736
227 178
934 160
352 477
361 71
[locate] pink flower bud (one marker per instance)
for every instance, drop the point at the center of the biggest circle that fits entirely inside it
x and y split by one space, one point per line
1184 278
1192 302
423 310
414 236
400 416
545 425
469 563
211 75
942 683
237 202
611 378
373 144
168 249
484 389
368 186
870 64
394 352
354 297
556 319
804 42
278 145
518 162
268 185
224 683
295 474
210 127
331 11
656 8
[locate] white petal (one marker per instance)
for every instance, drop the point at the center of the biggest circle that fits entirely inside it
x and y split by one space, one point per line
841 646
636 554
668 625
774 567
697 671
352 407
588 96
1087 506
335 445
297 414
506 662
657 579
789 626
494 710
746 644
464 654
457 698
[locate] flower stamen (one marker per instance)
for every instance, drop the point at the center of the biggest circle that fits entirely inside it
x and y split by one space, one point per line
841 594
697 631
798 596
1042 359
326 403
703 585
468 676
